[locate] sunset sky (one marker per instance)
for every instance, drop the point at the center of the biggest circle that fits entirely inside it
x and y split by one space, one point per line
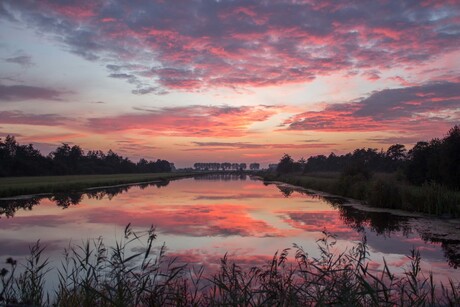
236 81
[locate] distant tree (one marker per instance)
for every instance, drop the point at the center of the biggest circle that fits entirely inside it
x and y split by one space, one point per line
254 166
450 158
143 165
417 167
396 152
161 166
225 166
286 165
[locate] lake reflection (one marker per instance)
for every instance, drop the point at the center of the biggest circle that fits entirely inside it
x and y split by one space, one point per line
200 219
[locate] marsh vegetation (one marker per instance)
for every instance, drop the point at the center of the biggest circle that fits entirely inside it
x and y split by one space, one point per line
93 274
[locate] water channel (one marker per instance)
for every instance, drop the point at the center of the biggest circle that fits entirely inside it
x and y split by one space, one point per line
201 219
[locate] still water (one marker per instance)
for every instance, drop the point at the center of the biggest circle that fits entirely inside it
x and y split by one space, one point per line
201 219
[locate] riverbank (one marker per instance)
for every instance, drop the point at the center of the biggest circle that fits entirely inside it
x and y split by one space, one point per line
381 191
18 186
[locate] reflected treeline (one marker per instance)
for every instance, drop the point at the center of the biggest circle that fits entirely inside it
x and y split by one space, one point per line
451 248
223 177
8 207
286 191
382 223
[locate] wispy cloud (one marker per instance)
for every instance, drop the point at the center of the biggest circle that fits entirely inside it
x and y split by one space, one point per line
23 60
246 145
196 121
28 92
20 118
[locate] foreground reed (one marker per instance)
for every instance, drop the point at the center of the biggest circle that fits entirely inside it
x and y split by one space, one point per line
93 275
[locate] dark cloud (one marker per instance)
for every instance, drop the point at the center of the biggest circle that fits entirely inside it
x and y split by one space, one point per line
121 76
148 90
415 108
20 118
404 102
23 60
27 92
204 44
113 67
396 140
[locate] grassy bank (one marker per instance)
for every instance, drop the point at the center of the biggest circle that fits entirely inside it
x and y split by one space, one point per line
382 190
95 275
14 186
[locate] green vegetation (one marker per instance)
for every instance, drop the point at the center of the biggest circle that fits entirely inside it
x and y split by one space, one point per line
379 190
14 186
95 275
426 179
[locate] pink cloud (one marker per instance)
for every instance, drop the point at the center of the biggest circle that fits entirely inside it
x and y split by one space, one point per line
196 121
199 45
428 107
226 146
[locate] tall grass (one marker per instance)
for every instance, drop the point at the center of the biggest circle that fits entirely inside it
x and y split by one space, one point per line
383 191
93 275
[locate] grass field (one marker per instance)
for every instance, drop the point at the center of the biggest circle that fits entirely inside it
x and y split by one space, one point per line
15 186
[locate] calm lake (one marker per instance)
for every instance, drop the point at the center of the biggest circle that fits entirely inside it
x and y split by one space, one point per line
200 219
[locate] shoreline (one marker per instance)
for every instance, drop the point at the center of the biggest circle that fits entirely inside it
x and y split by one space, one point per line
16 188
435 227
380 193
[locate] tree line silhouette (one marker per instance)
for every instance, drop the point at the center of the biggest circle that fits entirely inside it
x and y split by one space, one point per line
435 161
225 166
25 160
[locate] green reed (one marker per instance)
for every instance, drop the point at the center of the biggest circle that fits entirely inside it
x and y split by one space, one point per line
383 191
92 274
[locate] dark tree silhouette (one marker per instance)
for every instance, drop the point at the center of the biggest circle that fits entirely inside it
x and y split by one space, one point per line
25 160
435 161
286 165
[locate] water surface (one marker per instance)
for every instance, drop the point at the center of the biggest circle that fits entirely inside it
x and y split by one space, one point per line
200 219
